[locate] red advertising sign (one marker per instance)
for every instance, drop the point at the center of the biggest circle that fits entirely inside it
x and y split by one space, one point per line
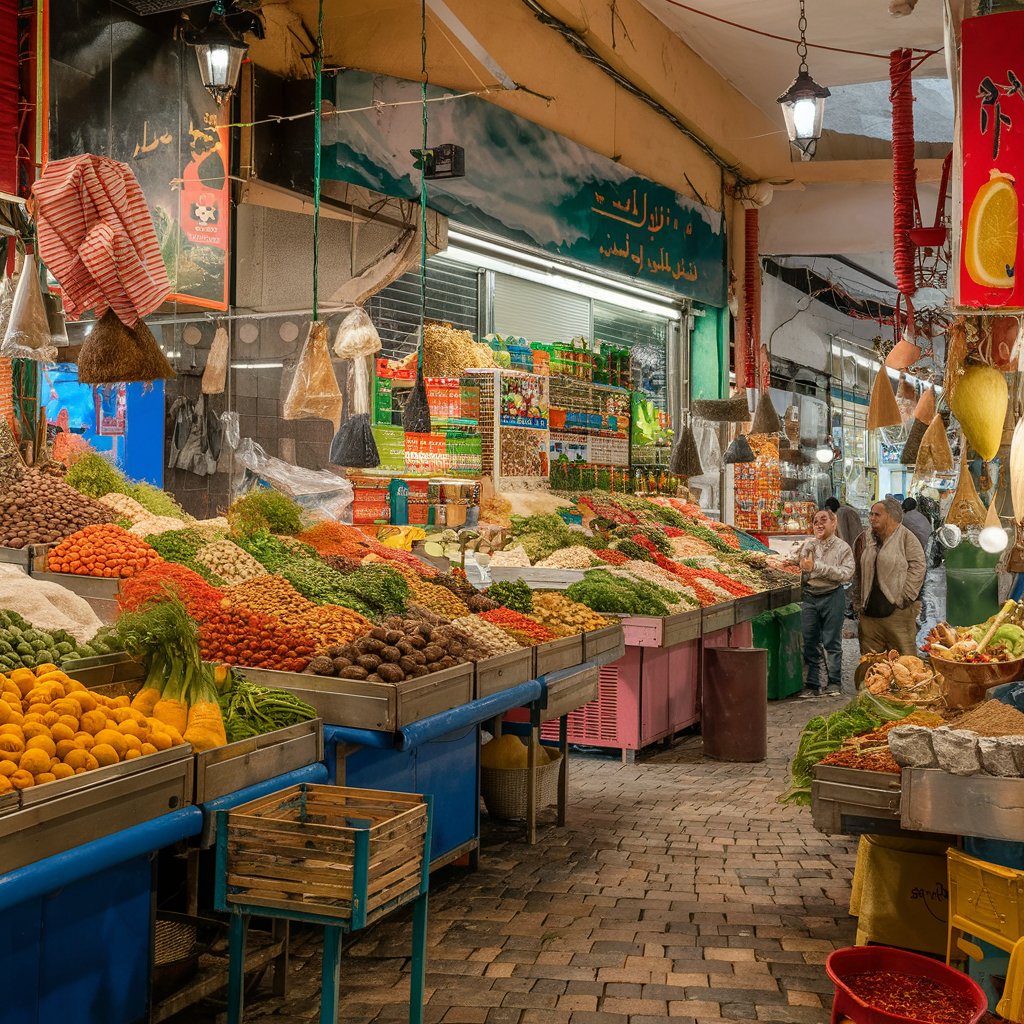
990 272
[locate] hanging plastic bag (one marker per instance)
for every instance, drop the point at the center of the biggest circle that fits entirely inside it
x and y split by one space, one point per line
28 330
216 373
232 430
314 391
356 336
354 445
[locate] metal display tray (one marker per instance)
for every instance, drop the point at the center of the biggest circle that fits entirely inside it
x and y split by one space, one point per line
841 794
718 616
46 820
557 654
233 767
382 707
662 630
749 607
570 692
969 805
538 578
502 672
99 591
603 646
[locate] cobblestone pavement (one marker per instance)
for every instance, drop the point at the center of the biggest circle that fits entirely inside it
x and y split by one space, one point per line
680 888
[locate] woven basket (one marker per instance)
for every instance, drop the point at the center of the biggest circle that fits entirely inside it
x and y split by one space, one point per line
175 940
504 789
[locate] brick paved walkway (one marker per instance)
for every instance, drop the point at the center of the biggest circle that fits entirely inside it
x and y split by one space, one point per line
680 889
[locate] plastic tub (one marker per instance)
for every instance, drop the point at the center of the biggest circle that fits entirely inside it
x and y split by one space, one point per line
863 959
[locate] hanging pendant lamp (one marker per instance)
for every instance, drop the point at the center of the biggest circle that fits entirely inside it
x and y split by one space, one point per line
803 103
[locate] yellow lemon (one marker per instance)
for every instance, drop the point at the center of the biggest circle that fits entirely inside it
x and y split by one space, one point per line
990 243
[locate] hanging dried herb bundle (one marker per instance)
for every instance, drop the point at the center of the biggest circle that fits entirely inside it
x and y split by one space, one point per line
766 419
416 417
739 451
723 410
314 391
685 459
956 355
934 454
114 353
910 450
966 509
883 410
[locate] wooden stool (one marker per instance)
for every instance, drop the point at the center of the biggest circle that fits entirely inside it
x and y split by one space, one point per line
329 855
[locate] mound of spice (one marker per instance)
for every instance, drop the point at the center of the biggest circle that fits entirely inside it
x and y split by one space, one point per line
992 718
919 999
868 761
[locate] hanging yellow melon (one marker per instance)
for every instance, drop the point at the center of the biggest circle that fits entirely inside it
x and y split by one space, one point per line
979 403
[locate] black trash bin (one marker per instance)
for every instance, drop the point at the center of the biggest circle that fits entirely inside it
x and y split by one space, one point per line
734 705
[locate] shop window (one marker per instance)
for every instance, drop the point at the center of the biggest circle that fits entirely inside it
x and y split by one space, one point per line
646 336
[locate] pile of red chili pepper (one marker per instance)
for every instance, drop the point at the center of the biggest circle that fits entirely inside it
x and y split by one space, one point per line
330 538
920 999
690 578
228 633
609 510
719 579
521 627
611 556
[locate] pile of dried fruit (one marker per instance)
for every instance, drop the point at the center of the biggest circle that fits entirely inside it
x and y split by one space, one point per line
105 550
525 630
488 637
563 616
40 509
397 650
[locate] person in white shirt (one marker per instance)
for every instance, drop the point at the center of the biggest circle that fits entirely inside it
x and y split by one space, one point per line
826 563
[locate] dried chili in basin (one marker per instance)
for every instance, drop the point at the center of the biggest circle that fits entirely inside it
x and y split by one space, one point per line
919 999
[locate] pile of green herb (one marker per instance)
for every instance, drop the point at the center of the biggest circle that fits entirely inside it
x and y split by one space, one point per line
631 549
541 536
372 590
156 501
270 552
651 533
265 509
181 546
94 476
513 594
603 591
824 734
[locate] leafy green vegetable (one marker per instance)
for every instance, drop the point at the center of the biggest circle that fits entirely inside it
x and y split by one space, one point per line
372 590
514 594
181 546
631 549
824 734
541 536
251 710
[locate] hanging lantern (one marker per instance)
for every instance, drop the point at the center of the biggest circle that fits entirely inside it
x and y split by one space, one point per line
803 103
220 54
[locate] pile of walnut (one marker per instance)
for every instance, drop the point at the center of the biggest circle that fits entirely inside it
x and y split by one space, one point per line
399 649
890 674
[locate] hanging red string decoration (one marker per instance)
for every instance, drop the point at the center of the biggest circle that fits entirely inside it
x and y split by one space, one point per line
904 187
751 299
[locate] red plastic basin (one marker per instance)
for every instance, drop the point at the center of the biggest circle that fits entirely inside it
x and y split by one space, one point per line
864 959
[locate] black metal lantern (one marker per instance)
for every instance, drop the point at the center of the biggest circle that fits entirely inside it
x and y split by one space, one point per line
220 54
803 103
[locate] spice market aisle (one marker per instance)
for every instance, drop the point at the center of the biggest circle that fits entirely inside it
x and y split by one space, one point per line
679 889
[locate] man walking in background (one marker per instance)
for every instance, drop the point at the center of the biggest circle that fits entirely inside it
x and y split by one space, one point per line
849 529
917 523
891 572
826 563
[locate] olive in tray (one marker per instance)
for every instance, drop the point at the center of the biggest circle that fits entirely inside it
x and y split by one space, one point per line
397 650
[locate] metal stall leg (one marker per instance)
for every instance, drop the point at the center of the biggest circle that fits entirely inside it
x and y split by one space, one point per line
330 976
236 966
563 768
418 979
531 775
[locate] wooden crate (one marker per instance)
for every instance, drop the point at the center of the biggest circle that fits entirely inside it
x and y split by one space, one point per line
325 852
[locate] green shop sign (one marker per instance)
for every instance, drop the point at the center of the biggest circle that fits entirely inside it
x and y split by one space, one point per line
526 184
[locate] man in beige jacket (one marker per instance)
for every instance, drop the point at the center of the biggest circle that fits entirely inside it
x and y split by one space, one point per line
891 568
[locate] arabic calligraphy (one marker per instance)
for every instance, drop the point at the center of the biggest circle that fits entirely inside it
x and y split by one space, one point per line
646 221
146 146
